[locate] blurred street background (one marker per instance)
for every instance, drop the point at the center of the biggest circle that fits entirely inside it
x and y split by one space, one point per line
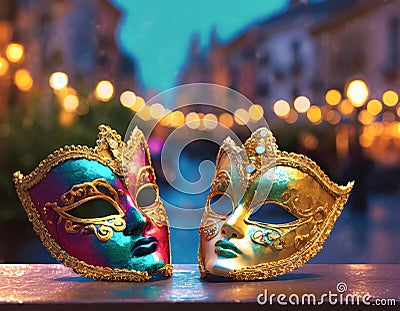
324 74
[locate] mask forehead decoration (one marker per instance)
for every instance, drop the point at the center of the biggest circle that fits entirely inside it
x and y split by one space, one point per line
268 211
92 218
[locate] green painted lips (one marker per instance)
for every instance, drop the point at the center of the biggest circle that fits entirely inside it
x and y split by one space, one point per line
226 249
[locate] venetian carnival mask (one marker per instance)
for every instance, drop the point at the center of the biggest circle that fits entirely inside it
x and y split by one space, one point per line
268 211
103 219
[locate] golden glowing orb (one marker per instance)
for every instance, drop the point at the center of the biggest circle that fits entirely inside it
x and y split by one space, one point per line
226 119
58 80
177 119
71 103
23 80
281 108
358 92
104 90
374 107
390 98
156 111
192 120
314 114
15 52
333 97
302 104
210 121
241 116
127 99
256 112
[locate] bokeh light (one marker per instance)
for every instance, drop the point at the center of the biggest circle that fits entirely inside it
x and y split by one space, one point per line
241 116
104 91
71 103
139 103
3 66
210 121
345 107
302 104
365 117
292 116
192 120
314 114
256 112
15 52
333 97
374 107
226 119
144 113
127 99
333 117
309 141
390 98
58 80
177 119
23 80
156 111
167 118
281 108
358 92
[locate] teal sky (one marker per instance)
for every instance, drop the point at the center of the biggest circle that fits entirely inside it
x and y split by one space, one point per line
157 33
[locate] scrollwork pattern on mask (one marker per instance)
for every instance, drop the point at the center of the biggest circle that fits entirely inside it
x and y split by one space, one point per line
98 189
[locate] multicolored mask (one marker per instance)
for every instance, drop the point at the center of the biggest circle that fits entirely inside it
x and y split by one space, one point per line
103 219
268 211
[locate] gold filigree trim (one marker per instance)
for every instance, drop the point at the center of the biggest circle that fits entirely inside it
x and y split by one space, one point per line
105 153
306 248
102 227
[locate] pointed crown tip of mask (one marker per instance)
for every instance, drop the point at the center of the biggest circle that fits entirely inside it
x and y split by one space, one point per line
137 133
229 141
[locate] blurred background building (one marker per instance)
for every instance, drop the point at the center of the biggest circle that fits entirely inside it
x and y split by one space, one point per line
325 75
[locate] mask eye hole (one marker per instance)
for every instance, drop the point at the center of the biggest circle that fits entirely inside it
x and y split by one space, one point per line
270 213
221 204
146 196
93 209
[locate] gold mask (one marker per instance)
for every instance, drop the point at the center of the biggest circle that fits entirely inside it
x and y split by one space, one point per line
268 211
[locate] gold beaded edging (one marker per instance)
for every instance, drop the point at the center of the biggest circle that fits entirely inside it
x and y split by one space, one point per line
296 260
108 151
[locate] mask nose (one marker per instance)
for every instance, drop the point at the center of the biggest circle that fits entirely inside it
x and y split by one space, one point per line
135 222
234 226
